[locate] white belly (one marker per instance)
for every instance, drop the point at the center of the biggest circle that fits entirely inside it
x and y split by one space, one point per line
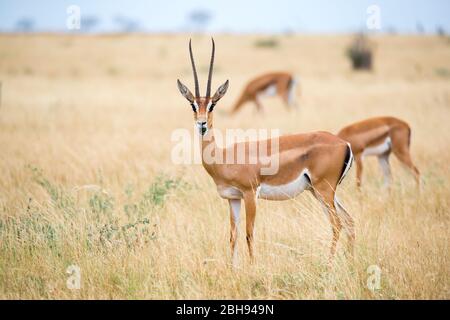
271 192
270 90
379 149
284 191
229 192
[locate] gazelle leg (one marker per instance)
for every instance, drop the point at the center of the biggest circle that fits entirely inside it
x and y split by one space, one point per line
235 208
240 102
383 160
359 169
325 194
259 106
400 147
288 97
348 224
250 214
404 157
286 100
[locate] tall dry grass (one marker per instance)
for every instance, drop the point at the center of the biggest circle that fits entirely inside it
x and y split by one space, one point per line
86 176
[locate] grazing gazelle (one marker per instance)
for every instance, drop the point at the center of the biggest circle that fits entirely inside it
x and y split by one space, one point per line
269 84
314 161
379 137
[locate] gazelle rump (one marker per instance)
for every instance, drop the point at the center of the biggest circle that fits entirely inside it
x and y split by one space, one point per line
282 84
379 137
315 161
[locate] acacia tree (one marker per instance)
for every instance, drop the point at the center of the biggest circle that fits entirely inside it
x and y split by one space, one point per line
25 25
199 19
126 24
88 23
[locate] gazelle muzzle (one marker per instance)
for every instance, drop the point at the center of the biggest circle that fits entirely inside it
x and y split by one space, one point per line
202 127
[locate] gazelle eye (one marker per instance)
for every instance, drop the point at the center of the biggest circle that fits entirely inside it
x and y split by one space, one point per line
211 107
193 107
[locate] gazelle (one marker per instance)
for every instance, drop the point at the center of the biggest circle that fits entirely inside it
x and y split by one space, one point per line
314 161
379 137
270 84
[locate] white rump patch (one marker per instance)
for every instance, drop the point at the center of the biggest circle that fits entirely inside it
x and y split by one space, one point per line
379 149
285 191
291 93
349 163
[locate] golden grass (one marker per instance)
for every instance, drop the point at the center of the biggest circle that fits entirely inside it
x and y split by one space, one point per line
86 176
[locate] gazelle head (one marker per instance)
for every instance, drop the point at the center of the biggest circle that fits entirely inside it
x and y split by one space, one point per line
203 106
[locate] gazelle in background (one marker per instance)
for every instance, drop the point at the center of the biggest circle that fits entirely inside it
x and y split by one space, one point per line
282 84
314 161
379 137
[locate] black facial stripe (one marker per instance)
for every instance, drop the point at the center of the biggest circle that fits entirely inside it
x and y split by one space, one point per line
211 108
193 107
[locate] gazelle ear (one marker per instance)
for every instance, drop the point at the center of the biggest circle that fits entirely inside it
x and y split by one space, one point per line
220 92
185 92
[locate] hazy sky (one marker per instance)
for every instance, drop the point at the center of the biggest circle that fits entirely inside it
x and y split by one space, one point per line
233 15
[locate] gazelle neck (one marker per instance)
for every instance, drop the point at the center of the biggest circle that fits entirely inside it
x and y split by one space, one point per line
209 149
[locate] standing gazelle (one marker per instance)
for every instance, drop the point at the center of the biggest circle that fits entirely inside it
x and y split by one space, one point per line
379 137
282 84
314 161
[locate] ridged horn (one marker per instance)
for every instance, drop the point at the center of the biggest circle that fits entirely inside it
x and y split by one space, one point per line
194 70
211 65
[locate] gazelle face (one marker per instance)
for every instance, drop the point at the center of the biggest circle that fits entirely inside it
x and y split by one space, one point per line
202 106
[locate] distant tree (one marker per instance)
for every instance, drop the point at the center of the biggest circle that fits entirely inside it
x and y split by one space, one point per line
391 30
200 19
88 23
360 52
420 28
126 24
25 25
288 31
440 31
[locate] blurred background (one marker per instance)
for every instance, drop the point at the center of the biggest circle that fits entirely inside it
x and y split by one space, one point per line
88 106
234 16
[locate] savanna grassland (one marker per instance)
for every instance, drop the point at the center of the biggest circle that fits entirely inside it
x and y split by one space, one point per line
86 176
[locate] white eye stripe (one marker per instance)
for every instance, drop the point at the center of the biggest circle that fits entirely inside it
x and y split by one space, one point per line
210 106
195 106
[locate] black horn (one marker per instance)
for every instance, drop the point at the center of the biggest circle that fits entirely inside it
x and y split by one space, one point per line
208 86
197 89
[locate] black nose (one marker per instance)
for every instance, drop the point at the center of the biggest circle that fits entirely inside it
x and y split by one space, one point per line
203 130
